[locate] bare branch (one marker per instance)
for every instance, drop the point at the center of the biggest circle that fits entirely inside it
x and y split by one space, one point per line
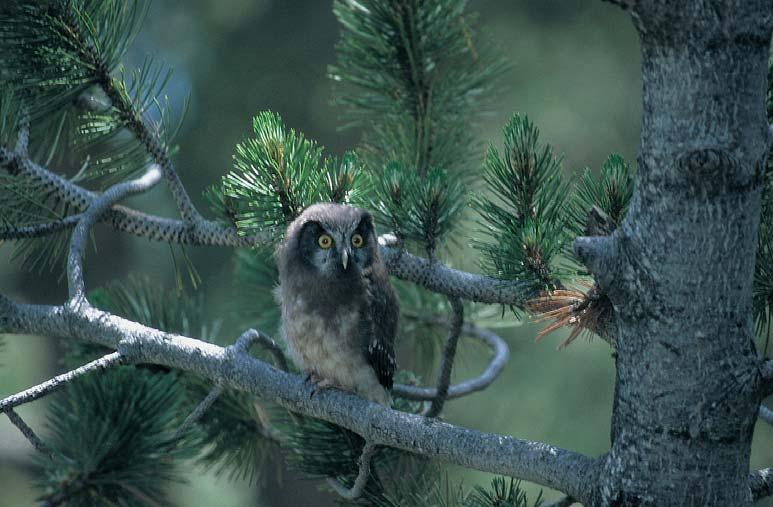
361 481
40 390
201 232
23 140
17 421
765 414
452 282
251 336
537 462
761 483
497 363
447 360
200 410
98 206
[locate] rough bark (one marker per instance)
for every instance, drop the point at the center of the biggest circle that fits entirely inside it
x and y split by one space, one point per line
679 270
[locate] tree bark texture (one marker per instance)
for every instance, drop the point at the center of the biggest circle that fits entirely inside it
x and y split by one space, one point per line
679 270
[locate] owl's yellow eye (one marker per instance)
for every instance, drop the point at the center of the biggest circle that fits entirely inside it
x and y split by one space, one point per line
357 241
325 241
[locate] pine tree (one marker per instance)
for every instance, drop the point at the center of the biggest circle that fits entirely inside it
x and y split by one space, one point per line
118 436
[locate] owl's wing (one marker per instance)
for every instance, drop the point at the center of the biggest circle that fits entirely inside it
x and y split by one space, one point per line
380 327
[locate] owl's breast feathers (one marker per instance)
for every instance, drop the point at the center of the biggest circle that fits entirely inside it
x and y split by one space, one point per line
347 341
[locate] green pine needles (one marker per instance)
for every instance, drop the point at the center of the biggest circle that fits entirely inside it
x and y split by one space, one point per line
277 173
113 440
526 216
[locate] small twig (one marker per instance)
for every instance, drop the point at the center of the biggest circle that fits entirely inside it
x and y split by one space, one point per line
76 287
766 414
38 230
564 501
121 218
200 410
251 336
482 381
242 346
40 390
17 421
362 477
449 354
23 140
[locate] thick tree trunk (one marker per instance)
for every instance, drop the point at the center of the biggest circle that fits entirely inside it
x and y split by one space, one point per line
679 270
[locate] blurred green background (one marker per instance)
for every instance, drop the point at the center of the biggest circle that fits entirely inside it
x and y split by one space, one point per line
575 72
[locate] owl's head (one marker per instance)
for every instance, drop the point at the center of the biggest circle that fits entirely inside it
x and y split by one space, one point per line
334 240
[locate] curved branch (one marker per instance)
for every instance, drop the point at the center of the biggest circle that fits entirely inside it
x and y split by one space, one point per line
361 481
537 462
765 414
479 383
449 353
98 206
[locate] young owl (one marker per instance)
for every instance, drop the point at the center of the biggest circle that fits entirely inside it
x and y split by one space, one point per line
339 311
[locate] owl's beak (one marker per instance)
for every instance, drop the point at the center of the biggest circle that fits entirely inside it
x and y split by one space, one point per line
345 257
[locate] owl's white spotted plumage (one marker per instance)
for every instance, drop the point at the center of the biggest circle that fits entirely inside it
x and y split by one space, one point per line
339 311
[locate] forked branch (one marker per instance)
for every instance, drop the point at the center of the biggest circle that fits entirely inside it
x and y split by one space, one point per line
537 462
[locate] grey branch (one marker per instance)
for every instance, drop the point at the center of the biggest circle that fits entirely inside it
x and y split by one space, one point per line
761 483
447 360
17 421
431 275
251 336
766 414
200 410
96 209
199 232
358 487
497 363
563 470
40 390
452 282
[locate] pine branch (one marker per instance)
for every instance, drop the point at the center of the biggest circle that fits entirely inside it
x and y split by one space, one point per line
526 218
537 462
765 414
496 364
121 218
38 391
358 487
447 361
99 206
25 430
200 410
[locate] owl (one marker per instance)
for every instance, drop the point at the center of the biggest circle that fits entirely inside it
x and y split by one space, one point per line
339 311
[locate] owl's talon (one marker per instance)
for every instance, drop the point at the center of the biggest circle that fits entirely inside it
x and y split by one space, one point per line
320 385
